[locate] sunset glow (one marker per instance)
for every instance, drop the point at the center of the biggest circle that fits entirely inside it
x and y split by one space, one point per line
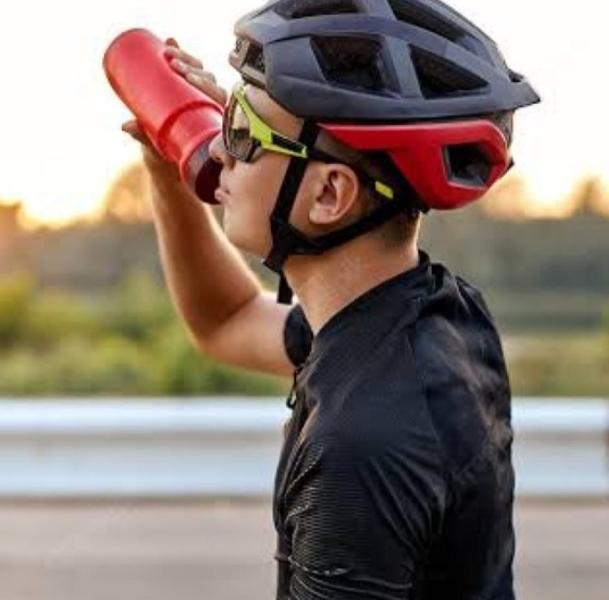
60 165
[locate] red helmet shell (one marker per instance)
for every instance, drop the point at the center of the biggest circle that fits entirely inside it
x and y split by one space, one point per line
419 152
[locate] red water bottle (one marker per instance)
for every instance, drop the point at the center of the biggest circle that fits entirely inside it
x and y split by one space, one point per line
179 119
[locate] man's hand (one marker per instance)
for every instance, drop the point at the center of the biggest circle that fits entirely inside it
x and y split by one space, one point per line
192 69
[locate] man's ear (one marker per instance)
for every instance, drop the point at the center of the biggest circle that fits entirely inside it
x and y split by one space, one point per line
336 194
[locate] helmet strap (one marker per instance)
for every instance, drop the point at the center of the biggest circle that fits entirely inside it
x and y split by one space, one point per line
288 241
282 233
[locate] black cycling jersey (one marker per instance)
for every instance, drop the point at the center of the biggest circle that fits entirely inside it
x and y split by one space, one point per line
395 478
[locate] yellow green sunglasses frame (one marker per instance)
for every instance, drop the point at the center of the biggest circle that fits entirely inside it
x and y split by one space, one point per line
265 137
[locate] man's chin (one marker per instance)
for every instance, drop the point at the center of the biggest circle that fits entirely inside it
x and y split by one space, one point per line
241 241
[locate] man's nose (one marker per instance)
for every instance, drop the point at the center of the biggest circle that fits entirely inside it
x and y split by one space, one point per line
218 152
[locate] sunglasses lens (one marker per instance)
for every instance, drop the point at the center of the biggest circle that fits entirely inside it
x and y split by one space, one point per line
236 131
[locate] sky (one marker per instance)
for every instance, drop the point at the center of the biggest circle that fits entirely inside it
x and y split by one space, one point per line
60 138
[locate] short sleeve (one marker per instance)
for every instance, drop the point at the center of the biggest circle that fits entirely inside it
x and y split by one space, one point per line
297 336
361 516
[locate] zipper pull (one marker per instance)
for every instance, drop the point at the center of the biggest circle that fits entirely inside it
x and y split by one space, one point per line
292 397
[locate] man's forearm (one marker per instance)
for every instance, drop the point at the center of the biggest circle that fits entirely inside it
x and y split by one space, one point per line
207 277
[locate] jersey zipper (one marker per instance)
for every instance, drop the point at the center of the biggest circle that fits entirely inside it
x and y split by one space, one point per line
293 396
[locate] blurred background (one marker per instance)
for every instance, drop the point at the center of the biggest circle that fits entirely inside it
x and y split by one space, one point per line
123 448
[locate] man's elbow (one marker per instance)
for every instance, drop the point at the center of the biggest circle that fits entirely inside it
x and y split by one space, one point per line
225 341
209 343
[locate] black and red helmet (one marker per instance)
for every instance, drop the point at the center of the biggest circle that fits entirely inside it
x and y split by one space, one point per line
427 72
426 81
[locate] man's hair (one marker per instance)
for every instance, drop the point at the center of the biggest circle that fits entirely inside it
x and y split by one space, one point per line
403 226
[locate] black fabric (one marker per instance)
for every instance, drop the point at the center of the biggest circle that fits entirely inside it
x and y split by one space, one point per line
297 336
284 291
395 478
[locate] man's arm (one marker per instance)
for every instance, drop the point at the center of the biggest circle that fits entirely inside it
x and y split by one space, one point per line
228 315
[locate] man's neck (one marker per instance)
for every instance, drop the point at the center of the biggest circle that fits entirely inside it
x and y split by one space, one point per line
326 284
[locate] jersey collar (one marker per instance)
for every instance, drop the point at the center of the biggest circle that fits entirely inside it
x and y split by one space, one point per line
377 308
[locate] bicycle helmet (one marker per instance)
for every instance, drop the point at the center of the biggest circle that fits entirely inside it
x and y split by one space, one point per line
410 78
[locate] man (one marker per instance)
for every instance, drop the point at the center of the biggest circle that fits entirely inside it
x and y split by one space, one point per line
395 479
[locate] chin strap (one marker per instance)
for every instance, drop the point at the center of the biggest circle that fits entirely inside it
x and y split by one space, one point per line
282 232
288 241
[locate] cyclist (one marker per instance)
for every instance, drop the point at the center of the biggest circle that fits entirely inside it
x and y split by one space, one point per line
354 118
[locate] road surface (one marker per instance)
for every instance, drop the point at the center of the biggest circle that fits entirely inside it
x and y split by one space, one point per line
197 550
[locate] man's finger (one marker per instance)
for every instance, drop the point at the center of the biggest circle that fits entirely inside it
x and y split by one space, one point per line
129 125
208 87
139 137
208 75
178 53
185 69
133 129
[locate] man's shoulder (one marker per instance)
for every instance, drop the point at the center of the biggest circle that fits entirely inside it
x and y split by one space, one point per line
454 318
460 360
454 296
380 408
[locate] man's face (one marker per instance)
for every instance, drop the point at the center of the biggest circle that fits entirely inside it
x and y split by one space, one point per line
249 190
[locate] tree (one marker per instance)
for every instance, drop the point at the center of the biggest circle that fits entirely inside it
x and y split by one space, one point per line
591 197
10 214
507 199
127 198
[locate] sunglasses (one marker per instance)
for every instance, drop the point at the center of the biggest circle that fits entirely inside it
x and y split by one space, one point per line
244 132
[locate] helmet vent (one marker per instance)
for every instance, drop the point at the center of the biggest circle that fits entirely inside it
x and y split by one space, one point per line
255 58
413 13
439 77
467 163
299 9
515 77
353 62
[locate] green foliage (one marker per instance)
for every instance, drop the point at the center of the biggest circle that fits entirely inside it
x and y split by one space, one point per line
139 307
127 342
57 315
605 330
94 316
569 363
549 273
16 295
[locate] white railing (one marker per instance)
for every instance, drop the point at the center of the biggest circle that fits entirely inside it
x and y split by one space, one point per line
229 447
